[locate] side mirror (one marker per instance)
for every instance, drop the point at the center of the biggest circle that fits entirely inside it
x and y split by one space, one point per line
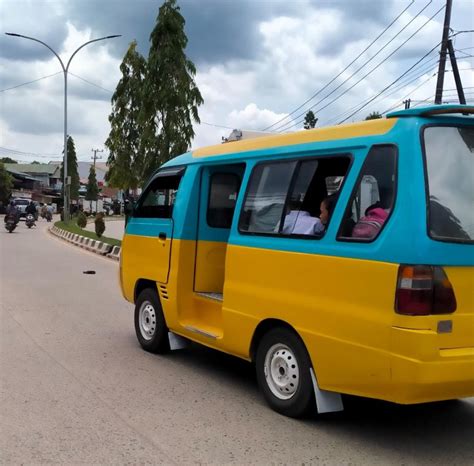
128 208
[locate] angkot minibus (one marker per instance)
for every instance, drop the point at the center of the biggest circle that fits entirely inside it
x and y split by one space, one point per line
338 260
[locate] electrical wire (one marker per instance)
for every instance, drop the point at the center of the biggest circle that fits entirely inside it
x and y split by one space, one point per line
91 83
333 79
29 82
286 127
391 84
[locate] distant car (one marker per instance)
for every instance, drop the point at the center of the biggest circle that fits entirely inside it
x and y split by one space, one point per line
21 205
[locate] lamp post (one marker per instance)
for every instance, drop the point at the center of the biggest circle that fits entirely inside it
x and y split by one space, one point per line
65 70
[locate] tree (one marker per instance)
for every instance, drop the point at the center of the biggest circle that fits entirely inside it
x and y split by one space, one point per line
92 189
125 156
71 169
310 120
6 184
171 97
373 116
35 162
7 160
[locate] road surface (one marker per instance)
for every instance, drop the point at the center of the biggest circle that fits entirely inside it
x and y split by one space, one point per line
77 388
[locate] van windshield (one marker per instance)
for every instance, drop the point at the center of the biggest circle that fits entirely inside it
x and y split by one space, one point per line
449 153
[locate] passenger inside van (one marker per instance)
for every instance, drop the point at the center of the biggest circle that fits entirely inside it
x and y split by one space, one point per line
369 225
300 222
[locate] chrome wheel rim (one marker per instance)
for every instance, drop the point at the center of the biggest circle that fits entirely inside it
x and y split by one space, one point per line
147 320
281 371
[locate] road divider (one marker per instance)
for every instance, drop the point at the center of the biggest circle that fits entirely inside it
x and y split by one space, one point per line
92 245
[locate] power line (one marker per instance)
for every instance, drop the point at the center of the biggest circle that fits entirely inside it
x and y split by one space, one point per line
391 84
91 83
29 82
370 72
19 152
351 63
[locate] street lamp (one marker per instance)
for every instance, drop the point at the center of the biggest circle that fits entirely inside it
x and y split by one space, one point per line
65 70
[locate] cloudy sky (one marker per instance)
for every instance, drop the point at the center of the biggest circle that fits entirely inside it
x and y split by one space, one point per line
257 62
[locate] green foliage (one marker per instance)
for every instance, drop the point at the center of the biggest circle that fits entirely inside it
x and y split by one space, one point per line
126 157
35 162
170 95
7 160
71 169
6 184
373 116
92 189
81 220
99 224
310 120
73 228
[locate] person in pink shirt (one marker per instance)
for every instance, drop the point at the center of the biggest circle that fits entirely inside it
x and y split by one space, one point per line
369 225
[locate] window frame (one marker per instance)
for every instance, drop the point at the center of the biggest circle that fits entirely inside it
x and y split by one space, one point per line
426 181
167 171
239 179
347 239
298 160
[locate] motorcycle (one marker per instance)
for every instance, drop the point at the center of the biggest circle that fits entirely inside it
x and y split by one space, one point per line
30 221
10 222
49 216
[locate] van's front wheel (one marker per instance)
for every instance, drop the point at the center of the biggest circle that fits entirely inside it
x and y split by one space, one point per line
283 373
150 325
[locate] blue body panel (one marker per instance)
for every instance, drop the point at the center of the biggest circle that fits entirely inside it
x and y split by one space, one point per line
404 238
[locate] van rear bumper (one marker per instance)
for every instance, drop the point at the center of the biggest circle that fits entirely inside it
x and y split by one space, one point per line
430 373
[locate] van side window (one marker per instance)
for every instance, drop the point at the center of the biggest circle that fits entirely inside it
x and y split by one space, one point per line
373 197
158 199
266 195
224 188
285 198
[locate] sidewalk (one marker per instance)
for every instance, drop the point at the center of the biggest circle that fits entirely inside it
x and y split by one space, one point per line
113 228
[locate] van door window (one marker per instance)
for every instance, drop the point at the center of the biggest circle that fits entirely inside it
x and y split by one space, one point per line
266 195
223 191
159 198
373 198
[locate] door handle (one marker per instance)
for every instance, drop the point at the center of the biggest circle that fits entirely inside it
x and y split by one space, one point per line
162 235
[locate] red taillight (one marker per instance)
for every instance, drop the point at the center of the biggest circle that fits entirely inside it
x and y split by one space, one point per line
423 290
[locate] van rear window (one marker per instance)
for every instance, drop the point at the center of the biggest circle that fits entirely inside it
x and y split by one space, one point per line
449 153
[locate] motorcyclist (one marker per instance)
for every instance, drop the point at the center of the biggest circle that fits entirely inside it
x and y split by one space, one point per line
12 211
31 209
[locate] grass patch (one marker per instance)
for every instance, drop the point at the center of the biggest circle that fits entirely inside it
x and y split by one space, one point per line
73 227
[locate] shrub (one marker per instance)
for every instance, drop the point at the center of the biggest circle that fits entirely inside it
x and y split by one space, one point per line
99 224
81 220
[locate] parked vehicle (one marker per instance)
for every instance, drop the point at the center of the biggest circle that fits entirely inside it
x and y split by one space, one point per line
30 220
222 249
21 204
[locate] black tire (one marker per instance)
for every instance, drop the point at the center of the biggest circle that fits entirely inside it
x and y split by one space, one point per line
150 325
295 393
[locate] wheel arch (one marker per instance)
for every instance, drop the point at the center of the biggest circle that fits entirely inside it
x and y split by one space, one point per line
143 284
262 328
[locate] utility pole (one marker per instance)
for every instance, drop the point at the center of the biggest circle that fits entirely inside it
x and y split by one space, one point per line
457 76
96 157
442 57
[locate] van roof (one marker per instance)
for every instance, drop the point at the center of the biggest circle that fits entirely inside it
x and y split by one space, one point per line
329 133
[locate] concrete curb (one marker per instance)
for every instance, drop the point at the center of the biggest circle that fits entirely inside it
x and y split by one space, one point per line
84 242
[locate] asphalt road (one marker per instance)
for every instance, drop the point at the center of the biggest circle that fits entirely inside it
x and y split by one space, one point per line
77 388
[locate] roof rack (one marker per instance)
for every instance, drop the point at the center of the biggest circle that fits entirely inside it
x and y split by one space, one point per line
433 110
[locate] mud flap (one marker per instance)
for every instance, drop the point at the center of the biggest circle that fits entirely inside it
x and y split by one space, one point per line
177 342
326 402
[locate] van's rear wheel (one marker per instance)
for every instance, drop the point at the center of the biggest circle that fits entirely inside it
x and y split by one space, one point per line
283 373
150 325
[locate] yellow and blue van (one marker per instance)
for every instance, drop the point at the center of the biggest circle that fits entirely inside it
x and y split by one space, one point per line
339 260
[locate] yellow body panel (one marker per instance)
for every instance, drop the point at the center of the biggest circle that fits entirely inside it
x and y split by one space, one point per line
356 342
352 130
210 264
